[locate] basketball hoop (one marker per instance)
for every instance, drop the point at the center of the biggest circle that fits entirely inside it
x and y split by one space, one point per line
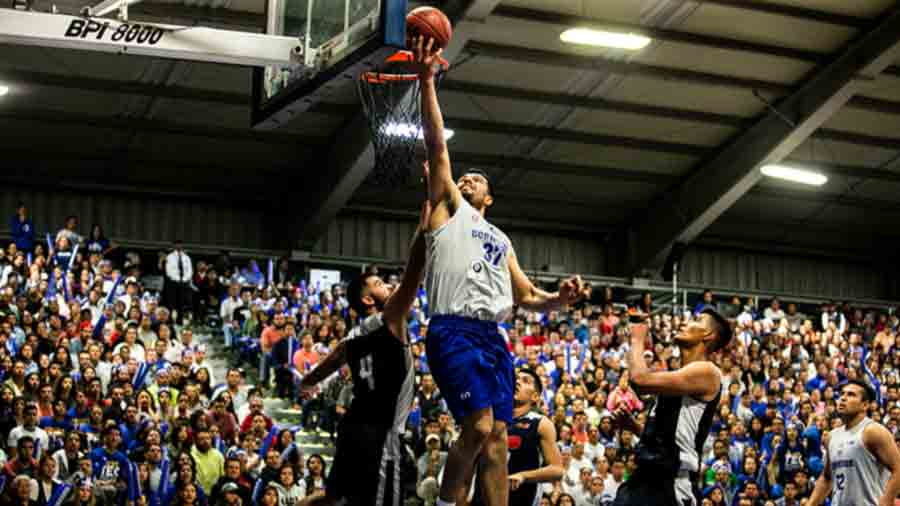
390 97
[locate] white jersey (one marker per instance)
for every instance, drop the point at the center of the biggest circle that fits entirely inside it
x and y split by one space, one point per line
857 476
468 269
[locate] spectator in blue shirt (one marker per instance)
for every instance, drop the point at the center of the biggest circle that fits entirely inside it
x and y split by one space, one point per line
707 302
97 241
22 229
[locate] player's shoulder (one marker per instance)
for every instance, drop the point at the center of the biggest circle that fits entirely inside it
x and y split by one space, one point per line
367 326
875 432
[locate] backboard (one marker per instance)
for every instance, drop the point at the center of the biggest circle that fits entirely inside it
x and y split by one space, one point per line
339 40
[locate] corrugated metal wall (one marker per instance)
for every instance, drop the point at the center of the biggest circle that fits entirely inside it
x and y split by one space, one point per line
384 239
777 274
139 218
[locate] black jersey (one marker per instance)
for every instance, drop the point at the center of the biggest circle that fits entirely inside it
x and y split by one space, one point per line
673 439
383 376
525 454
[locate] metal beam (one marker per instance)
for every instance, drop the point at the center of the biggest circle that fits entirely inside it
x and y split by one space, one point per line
825 198
157 126
601 104
39 178
778 9
677 148
668 35
682 214
566 169
565 135
352 156
100 85
605 64
227 17
601 63
508 223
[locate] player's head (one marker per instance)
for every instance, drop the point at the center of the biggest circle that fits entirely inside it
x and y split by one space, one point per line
855 397
710 329
367 293
528 387
475 187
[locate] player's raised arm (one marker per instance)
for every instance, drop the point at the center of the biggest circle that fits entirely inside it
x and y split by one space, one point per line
442 188
397 306
532 298
699 379
328 366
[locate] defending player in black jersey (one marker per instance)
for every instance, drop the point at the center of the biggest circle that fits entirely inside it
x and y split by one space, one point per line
368 457
680 418
533 455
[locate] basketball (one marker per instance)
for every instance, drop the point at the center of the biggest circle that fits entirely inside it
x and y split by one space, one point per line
429 22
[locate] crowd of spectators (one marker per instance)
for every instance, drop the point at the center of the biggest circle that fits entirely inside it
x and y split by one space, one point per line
107 398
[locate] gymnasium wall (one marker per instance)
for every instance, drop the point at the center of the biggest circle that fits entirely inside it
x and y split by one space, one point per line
387 239
140 220
797 275
148 221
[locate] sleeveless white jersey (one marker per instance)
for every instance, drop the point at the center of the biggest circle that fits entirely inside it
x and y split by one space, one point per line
858 478
467 271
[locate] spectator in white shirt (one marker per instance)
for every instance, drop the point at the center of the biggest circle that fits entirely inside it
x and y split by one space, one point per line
29 428
774 311
179 272
229 305
68 231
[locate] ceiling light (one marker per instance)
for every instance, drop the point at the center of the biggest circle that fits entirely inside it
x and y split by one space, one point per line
410 130
3 90
586 36
794 174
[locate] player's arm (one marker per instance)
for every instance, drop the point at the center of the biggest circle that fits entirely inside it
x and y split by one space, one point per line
328 366
699 379
532 298
880 443
823 485
397 306
442 191
553 468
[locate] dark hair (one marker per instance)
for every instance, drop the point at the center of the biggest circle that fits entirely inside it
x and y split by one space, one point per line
486 177
868 389
355 293
537 379
721 327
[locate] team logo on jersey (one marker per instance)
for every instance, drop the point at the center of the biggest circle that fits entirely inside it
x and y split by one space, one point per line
514 442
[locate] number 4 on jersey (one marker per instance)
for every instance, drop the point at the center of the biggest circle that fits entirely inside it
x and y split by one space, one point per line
366 371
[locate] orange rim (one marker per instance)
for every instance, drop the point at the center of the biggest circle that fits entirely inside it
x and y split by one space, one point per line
381 78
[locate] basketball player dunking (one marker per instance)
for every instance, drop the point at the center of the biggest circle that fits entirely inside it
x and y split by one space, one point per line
368 457
671 442
472 281
862 466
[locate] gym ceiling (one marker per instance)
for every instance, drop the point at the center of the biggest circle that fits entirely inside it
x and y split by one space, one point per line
646 147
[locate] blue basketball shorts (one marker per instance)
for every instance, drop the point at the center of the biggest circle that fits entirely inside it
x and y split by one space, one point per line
471 365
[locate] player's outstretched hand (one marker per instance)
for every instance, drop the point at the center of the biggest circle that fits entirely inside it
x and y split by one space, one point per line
571 290
623 419
515 481
427 56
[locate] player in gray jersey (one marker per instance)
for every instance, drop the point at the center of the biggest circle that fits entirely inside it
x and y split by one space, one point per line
473 279
862 466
